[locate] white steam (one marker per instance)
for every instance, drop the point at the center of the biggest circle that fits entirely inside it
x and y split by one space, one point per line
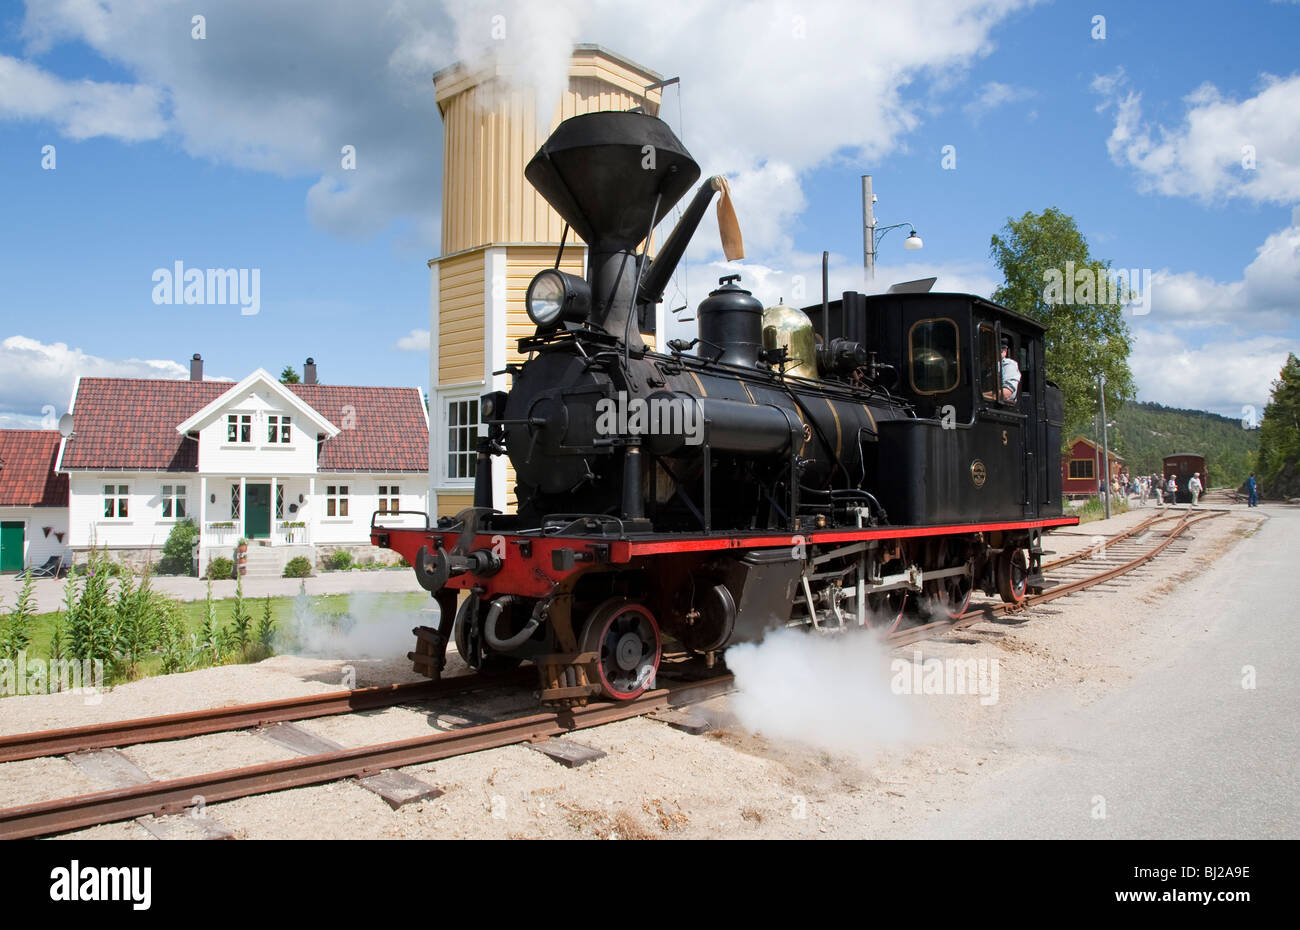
528 44
366 629
829 692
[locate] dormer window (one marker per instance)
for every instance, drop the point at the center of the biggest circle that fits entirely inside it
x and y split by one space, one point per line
277 429
239 427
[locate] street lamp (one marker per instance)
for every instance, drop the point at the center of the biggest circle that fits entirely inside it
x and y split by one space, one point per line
872 234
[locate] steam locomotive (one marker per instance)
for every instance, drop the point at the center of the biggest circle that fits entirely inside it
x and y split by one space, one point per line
853 463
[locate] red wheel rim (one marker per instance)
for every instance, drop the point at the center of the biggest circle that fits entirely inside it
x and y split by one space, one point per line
626 639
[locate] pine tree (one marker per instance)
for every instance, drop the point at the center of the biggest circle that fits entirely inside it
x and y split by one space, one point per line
1279 435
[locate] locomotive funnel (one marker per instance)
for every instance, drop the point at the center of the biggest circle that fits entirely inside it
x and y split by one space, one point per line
603 172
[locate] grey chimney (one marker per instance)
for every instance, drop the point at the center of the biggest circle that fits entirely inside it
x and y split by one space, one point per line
309 372
196 367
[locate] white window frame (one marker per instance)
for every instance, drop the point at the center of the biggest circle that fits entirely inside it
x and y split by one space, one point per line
445 480
332 496
177 495
390 497
279 429
122 496
239 424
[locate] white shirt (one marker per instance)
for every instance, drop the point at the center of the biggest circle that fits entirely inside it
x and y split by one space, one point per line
1011 376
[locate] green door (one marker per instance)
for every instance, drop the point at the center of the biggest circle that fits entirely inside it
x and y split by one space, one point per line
257 520
11 547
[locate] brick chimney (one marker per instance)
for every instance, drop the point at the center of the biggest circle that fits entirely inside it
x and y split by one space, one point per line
196 367
309 372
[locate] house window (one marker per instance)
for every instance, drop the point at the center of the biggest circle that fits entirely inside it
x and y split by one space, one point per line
462 437
115 497
336 500
234 502
388 498
277 429
1081 468
173 501
279 502
239 427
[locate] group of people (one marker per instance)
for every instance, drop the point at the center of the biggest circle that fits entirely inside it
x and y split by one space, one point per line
1144 487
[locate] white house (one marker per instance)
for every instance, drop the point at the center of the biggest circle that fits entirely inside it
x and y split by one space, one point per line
33 500
297 469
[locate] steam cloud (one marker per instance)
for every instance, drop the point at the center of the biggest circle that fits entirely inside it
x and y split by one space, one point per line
828 692
366 630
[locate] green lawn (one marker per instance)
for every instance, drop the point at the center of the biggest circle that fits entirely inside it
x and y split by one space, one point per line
282 609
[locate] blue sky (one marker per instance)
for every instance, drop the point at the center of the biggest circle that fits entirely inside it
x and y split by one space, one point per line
224 152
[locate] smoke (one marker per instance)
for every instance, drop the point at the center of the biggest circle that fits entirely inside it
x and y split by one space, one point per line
366 629
829 692
528 45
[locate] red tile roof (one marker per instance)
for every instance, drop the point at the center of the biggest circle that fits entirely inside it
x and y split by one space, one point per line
130 423
27 477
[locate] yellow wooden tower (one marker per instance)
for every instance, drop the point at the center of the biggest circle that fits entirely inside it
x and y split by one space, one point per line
497 232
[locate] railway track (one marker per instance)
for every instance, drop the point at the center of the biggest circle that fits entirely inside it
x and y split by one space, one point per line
1123 554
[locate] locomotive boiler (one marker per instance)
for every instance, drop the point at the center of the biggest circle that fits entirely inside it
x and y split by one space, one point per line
851 463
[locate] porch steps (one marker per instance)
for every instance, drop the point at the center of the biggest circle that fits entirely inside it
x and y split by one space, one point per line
265 562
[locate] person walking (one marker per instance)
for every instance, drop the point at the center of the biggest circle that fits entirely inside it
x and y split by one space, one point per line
1157 489
1253 490
1171 489
1194 486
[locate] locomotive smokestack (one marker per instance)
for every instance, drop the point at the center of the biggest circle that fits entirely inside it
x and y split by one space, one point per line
603 173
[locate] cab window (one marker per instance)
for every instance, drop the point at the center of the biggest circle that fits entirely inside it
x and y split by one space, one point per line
935 363
990 368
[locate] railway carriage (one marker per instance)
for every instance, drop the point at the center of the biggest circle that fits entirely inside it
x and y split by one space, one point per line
852 463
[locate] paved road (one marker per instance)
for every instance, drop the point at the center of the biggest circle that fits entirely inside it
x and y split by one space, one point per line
1184 751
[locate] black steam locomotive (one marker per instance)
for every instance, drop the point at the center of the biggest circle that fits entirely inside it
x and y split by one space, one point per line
849 464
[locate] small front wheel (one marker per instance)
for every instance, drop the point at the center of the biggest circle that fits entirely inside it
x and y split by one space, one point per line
626 640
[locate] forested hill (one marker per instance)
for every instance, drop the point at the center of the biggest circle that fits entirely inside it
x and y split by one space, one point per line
1145 433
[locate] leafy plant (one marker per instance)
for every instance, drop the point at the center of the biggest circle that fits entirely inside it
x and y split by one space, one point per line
16 629
298 567
221 569
339 561
240 621
178 550
266 627
91 632
209 634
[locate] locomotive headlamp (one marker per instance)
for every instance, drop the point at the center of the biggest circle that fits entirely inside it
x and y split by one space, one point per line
492 406
554 296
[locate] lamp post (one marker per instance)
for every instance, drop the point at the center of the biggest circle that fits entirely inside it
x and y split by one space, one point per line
1105 442
872 234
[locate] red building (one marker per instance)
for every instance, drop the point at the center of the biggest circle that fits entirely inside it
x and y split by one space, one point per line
1079 467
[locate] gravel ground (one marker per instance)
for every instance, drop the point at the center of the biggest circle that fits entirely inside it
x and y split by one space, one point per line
927 752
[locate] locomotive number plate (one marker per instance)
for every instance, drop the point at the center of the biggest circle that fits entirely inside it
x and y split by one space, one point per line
977 473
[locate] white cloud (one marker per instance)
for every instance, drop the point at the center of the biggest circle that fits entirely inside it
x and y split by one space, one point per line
1220 376
34 375
80 109
417 340
1223 148
1263 299
993 95
282 87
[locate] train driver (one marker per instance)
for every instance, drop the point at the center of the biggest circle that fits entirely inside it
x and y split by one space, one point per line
1010 374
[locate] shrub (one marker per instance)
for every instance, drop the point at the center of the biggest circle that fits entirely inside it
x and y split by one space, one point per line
178 550
298 567
16 629
266 628
220 569
339 561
